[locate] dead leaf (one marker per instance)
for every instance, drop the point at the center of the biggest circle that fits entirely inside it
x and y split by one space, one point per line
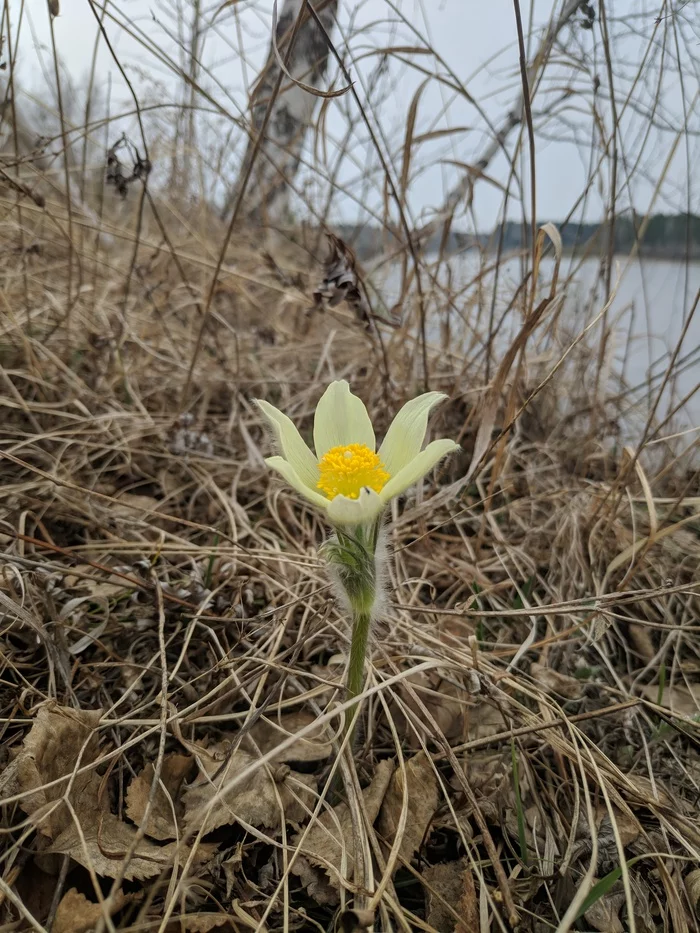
102 842
443 700
342 282
200 922
604 914
468 906
642 641
267 735
82 578
554 682
682 700
491 779
484 720
692 886
422 802
321 853
60 741
133 507
76 914
627 827
652 794
254 800
451 885
167 808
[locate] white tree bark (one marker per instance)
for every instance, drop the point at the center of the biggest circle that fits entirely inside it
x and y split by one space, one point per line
273 154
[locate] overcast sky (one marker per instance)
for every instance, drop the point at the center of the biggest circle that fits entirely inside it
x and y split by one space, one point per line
476 40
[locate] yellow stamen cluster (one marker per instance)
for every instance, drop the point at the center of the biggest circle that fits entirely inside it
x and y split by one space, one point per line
348 469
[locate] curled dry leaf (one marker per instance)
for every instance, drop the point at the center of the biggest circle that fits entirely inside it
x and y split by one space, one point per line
167 809
331 840
692 886
102 841
268 734
627 826
452 906
60 741
263 798
421 801
341 281
554 682
76 914
603 915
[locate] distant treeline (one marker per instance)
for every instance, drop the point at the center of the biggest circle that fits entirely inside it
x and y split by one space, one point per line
667 236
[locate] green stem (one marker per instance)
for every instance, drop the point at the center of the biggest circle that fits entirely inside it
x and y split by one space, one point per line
353 557
356 668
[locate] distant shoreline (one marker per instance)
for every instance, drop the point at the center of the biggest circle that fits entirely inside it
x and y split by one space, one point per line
672 237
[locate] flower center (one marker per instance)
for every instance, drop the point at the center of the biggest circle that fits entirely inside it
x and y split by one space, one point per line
348 469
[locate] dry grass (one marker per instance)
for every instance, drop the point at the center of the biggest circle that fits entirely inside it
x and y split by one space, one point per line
529 739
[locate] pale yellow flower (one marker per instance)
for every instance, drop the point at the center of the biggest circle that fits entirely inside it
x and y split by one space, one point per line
347 476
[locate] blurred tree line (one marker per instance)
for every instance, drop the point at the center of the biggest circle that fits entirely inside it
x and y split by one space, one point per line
667 236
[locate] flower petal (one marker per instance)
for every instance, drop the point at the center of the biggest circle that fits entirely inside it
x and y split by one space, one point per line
341 418
417 468
292 444
406 433
290 474
345 511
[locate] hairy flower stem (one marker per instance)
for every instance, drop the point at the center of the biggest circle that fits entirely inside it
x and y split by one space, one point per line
353 559
356 668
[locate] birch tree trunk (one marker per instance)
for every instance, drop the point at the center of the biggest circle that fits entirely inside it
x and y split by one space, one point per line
273 153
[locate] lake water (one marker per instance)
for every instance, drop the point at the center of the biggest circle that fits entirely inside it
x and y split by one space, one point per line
652 302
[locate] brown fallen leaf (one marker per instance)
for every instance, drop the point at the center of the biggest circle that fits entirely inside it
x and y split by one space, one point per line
133 507
490 777
422 802
627 826
321 853
484 720
685 701
76 816
641 641
200 923
267 735
554 682
253 800
452 906
692 887
441 698
167 809
60 741
102 842
604 914
76 914
648 793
